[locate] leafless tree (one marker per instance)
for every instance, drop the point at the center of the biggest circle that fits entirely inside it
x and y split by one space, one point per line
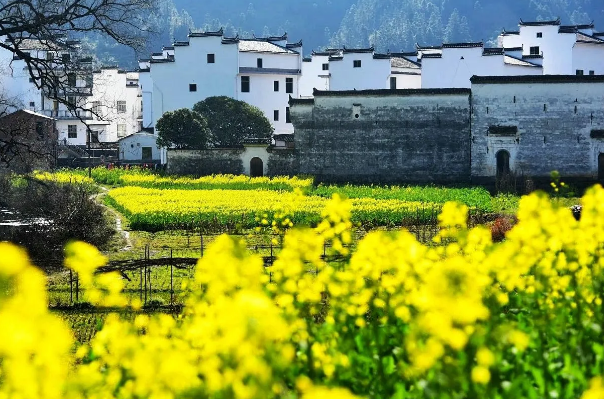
41 34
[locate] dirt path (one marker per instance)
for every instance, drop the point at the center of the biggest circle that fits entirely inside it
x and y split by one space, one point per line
118 220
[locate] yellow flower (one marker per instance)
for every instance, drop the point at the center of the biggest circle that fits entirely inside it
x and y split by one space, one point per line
481 375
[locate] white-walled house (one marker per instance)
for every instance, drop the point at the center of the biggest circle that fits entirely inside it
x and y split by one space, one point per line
79 86
263 72
359 69
562 49
139 147
315 73
453 64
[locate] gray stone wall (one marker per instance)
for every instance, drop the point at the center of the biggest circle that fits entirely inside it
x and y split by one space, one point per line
554 118
205 162
385 136
282 162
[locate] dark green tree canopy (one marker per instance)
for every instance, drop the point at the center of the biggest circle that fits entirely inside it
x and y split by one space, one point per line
232 121
182 129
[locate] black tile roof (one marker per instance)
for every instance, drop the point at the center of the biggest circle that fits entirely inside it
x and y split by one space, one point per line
288 138
181 44
493 51
275 71
377 56
432 56
230 40
218 33
327 52
509 32
168 47
294 45
513 49
428 47
307 59
540 23
599 34
537 79
357 50
390 92
463 45
301 101
405 54
531 56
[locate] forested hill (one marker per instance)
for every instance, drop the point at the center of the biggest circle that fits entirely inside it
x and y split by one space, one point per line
397 24
386 24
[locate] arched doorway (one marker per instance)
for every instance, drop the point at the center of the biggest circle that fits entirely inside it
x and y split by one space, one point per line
503 164
256 167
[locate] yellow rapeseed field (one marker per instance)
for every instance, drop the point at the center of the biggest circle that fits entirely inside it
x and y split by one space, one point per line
463 318
162 209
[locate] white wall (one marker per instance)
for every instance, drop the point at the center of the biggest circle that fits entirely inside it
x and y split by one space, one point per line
109 87
588 57
248 59
458 65
373 73
313 75
146 84
171 79
263 96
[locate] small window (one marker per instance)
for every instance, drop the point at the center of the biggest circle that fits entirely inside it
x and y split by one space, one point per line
579 72
121 107
65 58
245 84
259 62
32 104
71 101
211 58
50 56
326 67
72 131
71 80
289 85
356 63
534 50
121 130
393 83
96 107
276 115
592 73
287 116
539 35
276 85
40 130
192 87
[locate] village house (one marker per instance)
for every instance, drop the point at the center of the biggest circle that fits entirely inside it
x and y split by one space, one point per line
453 64
263 72
358 69
561 49
93 102
28 141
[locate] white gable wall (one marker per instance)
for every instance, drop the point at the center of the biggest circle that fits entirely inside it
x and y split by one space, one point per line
588 57
373 73
313 75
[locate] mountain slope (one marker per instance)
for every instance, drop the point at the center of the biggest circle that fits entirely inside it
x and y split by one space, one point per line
396 25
